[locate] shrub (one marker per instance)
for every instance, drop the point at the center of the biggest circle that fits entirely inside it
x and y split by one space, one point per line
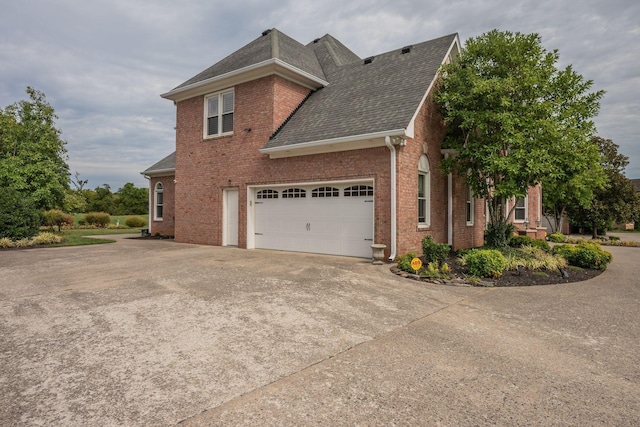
404 262
99 219
533 259
434 252
585 255
5 243
46 239
56 218
485 262
556 237
136 222
520 241
19 217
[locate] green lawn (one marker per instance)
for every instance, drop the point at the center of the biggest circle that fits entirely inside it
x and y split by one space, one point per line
78 237
114 218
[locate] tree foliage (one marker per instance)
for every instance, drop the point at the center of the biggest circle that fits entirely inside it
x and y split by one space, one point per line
19 218
616 201
132 200
32 154
513 119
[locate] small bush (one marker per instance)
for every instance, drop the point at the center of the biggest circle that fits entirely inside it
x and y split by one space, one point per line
585 255
404 262
46 239
485 262
556 237
56 218
99 219
434 252
136 222
533 259
5 243
520 241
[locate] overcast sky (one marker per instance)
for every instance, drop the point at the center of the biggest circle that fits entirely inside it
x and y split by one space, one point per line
103 65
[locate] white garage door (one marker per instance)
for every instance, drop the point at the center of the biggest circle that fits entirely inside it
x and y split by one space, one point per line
325 219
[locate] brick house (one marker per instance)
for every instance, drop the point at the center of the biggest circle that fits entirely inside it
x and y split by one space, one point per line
311 148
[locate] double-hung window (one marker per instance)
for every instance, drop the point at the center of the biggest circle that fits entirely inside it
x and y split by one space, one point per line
520 210
159 202
470 207
424 192
219 114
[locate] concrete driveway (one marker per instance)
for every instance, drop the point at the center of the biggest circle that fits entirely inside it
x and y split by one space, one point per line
160 333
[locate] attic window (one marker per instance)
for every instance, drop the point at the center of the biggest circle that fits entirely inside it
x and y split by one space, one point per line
265 32
368 60
406 49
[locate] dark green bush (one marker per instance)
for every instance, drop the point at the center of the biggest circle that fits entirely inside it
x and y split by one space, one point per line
19 218
404 262
434 252
485 262
520 241
98 219
56 218
585 255
556 237
136 222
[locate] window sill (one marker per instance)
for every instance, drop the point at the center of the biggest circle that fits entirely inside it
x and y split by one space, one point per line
424 226
222 135
469 224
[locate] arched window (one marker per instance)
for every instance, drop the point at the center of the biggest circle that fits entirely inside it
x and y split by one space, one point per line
424 192
158 202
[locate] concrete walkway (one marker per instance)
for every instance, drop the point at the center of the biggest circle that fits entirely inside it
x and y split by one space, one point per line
159 333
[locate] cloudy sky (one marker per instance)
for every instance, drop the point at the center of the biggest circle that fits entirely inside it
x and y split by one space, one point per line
103 65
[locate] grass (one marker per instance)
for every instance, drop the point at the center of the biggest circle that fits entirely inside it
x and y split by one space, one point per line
78 237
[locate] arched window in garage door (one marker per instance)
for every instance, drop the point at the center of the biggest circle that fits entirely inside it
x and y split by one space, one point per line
325 192
358 190
267 194
294 193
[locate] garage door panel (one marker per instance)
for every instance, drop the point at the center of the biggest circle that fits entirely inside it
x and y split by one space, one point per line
332 224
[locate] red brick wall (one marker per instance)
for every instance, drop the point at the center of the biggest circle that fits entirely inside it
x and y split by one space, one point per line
429 132
167 225
205 167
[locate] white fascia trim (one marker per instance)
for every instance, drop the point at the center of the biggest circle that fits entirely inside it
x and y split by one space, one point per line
159 172
454 44
333 141
252 72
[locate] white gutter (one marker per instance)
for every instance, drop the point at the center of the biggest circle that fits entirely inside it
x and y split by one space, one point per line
387 141
341 140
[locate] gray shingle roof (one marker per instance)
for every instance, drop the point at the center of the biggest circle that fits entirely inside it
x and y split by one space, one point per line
364 98
165 165
273 45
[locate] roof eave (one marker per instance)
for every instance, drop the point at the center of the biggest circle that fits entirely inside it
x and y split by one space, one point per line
252 72
354 142
159 172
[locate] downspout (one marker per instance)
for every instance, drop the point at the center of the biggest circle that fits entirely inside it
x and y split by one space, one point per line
387 141
148 178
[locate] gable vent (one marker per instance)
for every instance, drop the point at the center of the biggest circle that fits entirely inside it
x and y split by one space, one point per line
316 40
406 49
368 60
265 32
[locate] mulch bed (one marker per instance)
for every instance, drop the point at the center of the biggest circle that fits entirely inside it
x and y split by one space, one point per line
509 278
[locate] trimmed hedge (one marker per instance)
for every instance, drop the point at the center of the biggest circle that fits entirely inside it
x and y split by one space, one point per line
136 222
98 219
485 262
585 255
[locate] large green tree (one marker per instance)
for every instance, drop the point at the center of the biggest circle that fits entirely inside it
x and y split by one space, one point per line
615 201
33 157
513 119
132 200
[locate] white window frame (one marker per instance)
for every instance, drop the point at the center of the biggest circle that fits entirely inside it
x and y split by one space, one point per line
525 208
158 189
470 207
424 176
221 113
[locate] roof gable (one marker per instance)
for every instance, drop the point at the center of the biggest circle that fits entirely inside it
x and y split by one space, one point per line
270 47
165 166
364 99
